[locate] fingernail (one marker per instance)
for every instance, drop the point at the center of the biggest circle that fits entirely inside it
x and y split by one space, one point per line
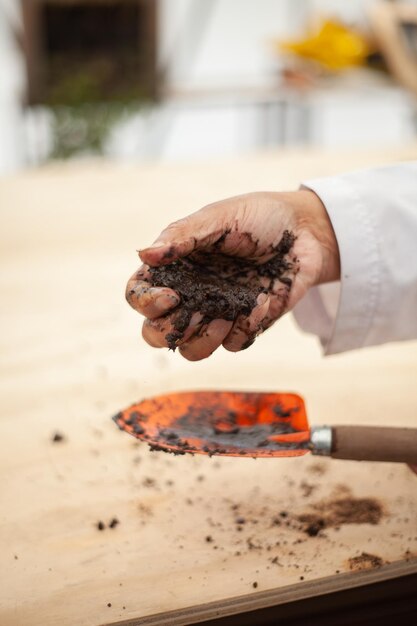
155 245
166 301
196 319
262 298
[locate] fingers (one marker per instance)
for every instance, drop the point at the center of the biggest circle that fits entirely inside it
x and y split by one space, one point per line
246 329
198 230
209 338
198 341
155 331
152 302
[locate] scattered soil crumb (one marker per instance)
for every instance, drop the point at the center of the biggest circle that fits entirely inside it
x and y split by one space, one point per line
334 513
109 604
318 468
209 539
149 482
365 561
255 584
408 555
58 438
101 525
221 286
307 488
340 490
114 522
16 557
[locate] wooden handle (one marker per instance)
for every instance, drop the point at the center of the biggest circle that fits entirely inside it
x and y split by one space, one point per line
374 443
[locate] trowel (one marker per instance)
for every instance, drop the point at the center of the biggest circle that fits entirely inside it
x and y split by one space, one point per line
253 424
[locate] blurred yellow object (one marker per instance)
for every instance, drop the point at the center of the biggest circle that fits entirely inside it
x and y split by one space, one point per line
334 46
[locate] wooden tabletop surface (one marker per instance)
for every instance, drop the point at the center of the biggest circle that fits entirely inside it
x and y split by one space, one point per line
197 537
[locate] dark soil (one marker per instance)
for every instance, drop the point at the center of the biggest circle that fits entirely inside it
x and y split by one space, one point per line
58 438
114 522
341 511
220 286
365 561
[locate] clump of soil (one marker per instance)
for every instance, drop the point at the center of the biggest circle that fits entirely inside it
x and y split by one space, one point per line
364 561
58 437
220 286
112 524
341 511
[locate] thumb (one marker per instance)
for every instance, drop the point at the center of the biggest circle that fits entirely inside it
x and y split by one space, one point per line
198 231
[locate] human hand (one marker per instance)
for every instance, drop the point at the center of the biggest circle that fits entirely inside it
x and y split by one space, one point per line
248 231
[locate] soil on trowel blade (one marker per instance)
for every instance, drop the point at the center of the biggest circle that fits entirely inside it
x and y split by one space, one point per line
220 286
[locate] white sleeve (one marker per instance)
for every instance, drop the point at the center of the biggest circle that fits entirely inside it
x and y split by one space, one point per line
374 216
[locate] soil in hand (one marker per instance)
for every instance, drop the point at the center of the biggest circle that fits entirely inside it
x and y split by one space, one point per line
220 286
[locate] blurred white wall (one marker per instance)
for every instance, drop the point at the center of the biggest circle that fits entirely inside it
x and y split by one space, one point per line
219 43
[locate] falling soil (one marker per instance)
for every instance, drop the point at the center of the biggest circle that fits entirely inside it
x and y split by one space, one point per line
340 511
364 561
220 286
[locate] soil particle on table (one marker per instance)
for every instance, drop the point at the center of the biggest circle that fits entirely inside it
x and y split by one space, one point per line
365 561
307 488
340 511
318 468
220 286
101 525
58 438
114 522
149 482
255 584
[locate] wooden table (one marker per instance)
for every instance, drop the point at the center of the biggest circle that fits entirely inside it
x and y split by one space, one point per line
72 356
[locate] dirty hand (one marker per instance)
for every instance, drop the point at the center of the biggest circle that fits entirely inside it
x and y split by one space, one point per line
249 227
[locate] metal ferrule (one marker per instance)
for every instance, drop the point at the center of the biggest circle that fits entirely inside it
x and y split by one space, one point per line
321 440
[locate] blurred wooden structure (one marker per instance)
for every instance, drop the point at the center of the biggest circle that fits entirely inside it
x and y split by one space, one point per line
395 28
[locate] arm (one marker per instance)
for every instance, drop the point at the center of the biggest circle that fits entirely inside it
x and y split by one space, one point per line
374 217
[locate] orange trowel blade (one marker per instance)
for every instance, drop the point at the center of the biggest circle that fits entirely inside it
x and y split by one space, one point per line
226 423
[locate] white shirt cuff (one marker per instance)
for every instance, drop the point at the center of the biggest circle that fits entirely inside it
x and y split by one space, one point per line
341 314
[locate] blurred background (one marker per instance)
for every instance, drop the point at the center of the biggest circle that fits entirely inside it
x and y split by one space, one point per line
189 79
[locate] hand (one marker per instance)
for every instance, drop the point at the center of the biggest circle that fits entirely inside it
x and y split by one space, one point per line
249 227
